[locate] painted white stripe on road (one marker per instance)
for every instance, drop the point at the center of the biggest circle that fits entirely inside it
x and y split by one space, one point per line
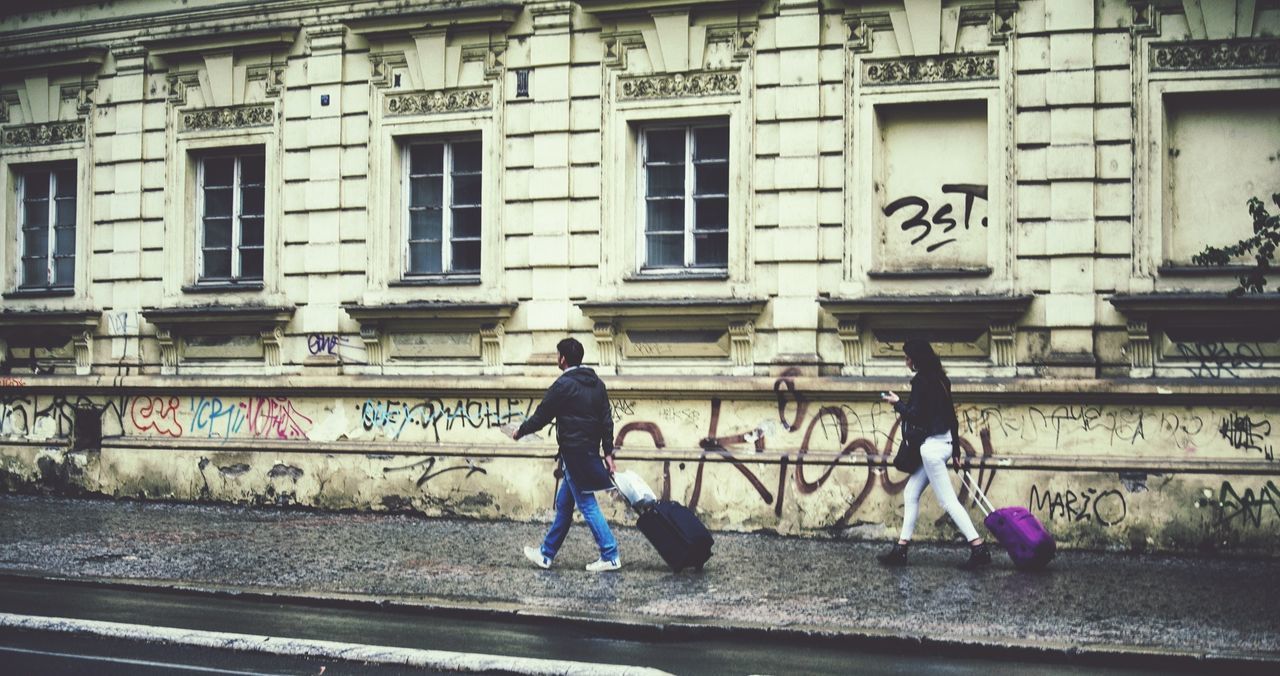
443 660
173 666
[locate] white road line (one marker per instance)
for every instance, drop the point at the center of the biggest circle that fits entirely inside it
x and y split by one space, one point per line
136 663
443 660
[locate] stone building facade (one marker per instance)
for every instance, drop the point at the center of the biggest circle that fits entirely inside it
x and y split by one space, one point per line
317 252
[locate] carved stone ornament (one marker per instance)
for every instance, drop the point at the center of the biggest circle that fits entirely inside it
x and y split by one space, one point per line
230 117
44 134
680 85
921 70
1215 55
444 101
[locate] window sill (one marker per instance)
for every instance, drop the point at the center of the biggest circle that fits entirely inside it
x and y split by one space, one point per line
468 280
1182 270
223 287
39 293
930 273
683 276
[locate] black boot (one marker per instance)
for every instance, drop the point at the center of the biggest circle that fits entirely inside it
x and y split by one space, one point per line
894 557
979 556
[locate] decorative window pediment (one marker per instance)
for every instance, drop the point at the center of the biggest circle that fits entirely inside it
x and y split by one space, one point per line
675 36
39 117
683 330
974 327
443 50
219 334
1201 334
221 72
424 331
58 335
928 27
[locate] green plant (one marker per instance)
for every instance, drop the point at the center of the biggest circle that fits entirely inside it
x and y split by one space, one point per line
1262 245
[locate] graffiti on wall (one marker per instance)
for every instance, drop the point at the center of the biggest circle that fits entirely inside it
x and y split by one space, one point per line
943 218
341 347
1216 359
391 417
1106 507
1245 433
1248 508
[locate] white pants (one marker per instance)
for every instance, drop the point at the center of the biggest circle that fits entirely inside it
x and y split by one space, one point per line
935 451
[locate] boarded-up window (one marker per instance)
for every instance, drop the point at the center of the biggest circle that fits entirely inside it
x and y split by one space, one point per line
1222 149
931 185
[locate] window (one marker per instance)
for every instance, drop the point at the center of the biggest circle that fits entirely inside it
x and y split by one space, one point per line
231 211
47 212
686 197
443 208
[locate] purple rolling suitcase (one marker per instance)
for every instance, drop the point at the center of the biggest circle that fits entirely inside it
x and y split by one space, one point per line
1029 545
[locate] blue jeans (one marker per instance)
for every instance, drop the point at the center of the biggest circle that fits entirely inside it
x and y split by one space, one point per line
566 497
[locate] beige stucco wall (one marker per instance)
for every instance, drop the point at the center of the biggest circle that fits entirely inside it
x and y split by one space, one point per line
1083 136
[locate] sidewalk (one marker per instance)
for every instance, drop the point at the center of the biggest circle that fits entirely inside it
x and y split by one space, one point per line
1085 602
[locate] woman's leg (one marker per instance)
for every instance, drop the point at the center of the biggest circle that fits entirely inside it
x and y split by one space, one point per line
935 455
911 503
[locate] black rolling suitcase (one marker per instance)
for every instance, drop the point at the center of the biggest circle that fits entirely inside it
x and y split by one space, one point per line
673 529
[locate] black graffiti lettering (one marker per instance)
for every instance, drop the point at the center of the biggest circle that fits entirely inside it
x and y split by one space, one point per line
1090 505
916 221
1250 506
970 191
1219 359
1245 433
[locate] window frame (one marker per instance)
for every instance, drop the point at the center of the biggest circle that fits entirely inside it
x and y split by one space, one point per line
447 270
50 227
237 217
689 230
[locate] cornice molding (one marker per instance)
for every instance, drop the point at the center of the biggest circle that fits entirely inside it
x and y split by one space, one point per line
276 37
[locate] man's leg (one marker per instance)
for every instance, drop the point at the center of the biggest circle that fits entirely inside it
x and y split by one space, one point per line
599 527
564 518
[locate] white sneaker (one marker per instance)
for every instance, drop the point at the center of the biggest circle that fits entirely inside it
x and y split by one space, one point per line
535 555
601 565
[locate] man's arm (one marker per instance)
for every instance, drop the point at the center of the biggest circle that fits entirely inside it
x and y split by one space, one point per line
548 409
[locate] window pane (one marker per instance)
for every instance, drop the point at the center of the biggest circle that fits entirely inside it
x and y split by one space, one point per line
66 179
665 251
466 256
426 159
34 272
424 224
664 216
217 232
64 272
35 242
217 203
251 201
711 249
424 258
466 156
665 181
466 189
251 232
713 179
466 222
66 241
251 264
37 213
665 145
217 263
711 213
66 211
218 171
35 185
711 143
252 169
426 191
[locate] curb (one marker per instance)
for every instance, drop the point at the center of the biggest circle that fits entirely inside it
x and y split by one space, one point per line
441 660
637 627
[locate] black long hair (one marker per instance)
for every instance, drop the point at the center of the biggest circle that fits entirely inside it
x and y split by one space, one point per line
922 355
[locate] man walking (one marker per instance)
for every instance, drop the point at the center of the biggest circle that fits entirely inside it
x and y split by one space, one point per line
584 426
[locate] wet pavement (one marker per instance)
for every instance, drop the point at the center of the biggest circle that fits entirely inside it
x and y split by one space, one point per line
1176 604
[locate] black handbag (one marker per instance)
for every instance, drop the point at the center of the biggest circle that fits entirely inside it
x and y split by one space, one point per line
908 460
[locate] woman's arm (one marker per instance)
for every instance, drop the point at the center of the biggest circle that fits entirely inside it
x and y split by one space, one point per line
914 408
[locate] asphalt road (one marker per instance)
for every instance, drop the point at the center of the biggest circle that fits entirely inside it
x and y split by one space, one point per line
24 652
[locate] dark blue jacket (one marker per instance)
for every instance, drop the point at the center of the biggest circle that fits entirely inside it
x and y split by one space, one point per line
579 403
929 410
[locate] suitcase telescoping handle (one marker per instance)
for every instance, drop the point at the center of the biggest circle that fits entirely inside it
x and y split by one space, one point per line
983 503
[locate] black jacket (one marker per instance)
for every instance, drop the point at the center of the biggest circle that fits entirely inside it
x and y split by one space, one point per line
584 425
929 410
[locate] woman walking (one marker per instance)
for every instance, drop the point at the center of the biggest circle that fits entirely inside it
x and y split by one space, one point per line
930 434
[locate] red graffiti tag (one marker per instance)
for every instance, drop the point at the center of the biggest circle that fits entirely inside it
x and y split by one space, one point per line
156 413
275 417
